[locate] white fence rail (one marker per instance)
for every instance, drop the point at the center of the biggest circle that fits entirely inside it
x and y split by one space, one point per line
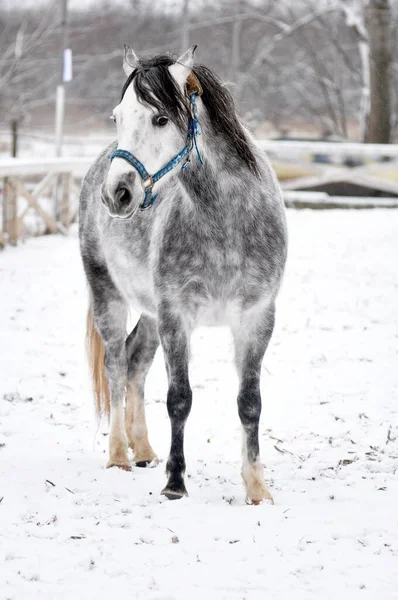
285 147
21 167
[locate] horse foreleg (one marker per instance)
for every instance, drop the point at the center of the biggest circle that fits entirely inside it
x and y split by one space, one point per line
251 341
141 346
174 341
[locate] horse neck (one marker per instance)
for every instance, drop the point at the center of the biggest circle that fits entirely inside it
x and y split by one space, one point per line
209 184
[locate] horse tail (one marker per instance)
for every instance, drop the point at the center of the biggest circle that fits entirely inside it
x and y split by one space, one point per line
96 357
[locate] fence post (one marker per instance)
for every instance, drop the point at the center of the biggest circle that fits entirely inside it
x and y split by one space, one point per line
66 191
14 138
12 214
3 209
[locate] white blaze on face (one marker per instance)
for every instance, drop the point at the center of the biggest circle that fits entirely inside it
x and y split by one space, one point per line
153 146
138 133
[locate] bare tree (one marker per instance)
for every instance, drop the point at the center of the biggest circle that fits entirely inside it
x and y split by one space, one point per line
328 63
378 21
24 78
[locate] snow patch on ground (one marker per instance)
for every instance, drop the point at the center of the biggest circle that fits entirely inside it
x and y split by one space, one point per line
71 529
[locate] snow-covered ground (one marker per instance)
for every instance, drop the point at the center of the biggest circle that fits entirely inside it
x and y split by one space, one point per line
71 529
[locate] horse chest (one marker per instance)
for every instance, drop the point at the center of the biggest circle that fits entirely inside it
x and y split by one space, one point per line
216 266
206 279
132 278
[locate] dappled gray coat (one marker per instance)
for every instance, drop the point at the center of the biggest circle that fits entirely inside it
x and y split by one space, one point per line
211 250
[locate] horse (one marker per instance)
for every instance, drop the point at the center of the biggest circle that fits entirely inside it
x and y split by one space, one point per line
182 218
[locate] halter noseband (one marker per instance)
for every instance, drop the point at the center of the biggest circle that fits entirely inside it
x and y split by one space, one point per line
148 181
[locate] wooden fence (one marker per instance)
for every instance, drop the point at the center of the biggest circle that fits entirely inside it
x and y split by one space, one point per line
310 171
300 178
31 179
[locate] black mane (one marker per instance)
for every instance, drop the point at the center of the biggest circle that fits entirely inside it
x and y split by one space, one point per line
155 87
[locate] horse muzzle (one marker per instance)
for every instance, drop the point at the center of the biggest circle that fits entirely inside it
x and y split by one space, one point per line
121 198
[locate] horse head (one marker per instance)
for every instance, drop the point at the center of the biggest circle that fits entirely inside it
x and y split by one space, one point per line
155 129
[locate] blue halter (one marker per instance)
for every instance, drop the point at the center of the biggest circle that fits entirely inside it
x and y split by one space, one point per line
148 181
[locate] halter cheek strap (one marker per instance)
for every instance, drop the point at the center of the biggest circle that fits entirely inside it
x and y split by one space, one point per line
147 180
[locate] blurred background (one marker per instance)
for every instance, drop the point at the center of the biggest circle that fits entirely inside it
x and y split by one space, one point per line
315 80
302 69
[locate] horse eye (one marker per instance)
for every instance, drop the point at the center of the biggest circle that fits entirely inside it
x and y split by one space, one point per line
113 118
160 121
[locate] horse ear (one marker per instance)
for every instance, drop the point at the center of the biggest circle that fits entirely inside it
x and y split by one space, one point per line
187 59
130 60
183 65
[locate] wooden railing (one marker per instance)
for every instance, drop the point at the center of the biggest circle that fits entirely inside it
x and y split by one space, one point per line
374 151
60 179
31 179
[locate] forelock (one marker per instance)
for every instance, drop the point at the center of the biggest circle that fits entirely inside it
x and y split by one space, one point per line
156 87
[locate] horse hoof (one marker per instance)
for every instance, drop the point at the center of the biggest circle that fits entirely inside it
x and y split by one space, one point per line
122 466
174 494
256 502
174 490
259 496
256 490
149 462
143 463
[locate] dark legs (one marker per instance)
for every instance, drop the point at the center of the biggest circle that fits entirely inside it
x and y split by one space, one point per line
127 363
141 346
251 341
173 337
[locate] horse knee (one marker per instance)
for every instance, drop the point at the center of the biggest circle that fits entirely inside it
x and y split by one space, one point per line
115 359
249 407
179 402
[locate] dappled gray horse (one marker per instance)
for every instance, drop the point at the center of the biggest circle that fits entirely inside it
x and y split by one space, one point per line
183 219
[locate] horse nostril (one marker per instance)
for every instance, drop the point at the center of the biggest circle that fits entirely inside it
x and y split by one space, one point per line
123 196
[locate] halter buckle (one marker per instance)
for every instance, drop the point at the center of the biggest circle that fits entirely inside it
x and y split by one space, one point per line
145 207
147 184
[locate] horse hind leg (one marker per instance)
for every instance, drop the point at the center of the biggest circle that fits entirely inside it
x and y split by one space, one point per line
141 346
106 327
116 371
250 345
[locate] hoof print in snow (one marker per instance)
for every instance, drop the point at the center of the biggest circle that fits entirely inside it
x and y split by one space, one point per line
229 499
16 397
175 540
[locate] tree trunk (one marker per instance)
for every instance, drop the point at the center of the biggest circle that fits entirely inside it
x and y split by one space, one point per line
378 18
14 138
12 214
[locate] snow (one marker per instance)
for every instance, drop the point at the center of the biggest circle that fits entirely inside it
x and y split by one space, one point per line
71 529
